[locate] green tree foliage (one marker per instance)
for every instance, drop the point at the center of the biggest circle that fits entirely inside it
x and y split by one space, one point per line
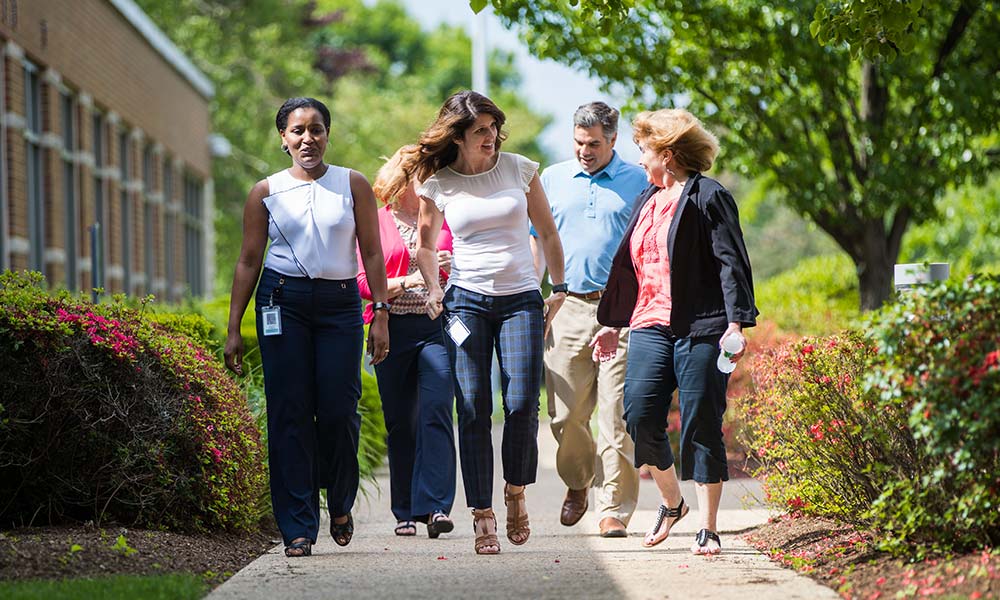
863 150
382 76
871 28
255 56
966 233
875 28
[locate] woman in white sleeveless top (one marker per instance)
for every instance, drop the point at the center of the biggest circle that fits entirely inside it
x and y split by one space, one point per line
493 299
309 322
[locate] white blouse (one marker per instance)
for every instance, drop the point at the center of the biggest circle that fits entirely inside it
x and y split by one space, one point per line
311 225
488 217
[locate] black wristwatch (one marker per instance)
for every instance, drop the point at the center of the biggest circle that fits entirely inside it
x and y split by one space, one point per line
560 287
380 306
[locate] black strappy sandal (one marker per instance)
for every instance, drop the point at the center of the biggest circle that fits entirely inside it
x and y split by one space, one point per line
405 528
342 532
439 523
665 512
304 545
701 542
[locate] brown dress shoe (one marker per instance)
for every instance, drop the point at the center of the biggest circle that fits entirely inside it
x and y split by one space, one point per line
573 508
612 528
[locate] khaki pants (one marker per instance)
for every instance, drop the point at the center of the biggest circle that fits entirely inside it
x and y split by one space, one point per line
575 385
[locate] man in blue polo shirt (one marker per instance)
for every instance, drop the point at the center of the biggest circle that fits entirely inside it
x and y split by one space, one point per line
591 198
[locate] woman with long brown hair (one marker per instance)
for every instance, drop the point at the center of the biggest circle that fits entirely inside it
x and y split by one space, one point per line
492 300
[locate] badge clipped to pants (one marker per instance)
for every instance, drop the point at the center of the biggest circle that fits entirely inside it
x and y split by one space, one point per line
272 320
271 313
457 330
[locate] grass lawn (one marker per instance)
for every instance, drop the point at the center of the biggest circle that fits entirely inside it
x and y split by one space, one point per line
125 587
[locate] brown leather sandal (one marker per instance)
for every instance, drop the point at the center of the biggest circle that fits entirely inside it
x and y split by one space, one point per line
517 520
486 540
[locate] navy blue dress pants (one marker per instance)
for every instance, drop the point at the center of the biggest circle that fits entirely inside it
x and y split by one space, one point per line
512 326
658 363
312 380
415 384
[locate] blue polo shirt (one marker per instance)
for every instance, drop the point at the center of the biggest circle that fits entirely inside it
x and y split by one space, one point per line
591 214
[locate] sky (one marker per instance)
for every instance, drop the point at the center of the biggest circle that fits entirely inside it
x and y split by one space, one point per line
549 87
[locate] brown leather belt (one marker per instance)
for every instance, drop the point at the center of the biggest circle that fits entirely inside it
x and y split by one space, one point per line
588 296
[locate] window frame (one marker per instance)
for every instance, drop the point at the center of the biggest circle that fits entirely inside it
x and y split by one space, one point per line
34 166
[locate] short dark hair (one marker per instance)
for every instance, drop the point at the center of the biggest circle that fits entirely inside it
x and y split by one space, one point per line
597 113
292 104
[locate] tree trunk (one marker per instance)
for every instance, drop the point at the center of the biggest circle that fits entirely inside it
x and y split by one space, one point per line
875 268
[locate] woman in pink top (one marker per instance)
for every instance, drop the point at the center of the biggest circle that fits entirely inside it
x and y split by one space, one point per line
681 281
414 380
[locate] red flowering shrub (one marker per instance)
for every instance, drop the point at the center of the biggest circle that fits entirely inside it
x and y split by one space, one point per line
823 445
762 338
107 415
939 364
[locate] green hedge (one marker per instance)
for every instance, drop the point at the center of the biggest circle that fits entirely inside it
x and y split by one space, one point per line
939 364
106 414
816 297
215 311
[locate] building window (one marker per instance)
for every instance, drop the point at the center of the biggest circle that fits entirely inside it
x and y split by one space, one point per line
193 239
125 212
69 137
148 256
3 174
169 228
99 255
33 162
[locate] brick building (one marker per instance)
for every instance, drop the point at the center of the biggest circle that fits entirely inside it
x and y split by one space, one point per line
104 122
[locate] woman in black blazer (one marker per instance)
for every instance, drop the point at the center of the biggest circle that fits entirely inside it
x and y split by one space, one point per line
681 281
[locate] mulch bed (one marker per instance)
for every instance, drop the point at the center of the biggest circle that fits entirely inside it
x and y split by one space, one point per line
844 559
82 551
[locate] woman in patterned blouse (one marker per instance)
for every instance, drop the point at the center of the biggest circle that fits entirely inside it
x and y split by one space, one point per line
414 381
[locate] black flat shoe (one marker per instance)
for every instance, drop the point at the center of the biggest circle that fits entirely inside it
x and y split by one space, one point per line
342 532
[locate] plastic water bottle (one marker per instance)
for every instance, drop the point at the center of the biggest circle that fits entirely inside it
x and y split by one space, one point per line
730 346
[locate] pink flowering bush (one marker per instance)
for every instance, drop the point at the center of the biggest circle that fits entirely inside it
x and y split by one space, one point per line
108 415
824 446
938 363
896 430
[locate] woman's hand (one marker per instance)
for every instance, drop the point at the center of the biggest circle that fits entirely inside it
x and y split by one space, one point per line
552 305
735 329
605 344
233 352
444 261
378 337
435 304
413 280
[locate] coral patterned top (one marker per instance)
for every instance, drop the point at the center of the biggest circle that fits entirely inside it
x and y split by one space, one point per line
652 265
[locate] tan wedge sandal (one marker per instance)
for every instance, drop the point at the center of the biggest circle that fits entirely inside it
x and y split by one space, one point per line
517 519
486 540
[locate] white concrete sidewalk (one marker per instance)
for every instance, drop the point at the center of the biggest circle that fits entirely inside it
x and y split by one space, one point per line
557 562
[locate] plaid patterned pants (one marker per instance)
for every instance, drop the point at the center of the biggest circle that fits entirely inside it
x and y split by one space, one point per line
512 326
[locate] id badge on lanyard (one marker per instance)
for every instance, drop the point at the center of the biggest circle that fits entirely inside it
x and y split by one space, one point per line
271 313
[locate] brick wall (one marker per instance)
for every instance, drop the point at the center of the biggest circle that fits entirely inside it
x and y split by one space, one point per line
136 92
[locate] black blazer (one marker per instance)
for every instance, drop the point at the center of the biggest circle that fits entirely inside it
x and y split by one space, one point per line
711 283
